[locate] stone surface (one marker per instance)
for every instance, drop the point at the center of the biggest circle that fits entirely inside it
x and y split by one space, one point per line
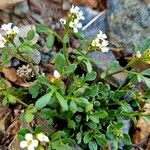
8 3
36 56
66 5
99 24
103 58
129 22
21 9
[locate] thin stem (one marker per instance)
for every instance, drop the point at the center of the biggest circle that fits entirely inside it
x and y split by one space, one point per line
21 102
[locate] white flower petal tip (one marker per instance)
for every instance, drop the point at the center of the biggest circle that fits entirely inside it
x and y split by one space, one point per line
29 142
56 74
2 41
62 21
10 29
100 42
42 137
138 54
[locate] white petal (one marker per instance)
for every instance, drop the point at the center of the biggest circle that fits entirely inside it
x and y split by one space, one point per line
29 136
104 43
31 148
16 29
56 74
79 25
2 45
75 30
23 144
35 143
104 49
71 24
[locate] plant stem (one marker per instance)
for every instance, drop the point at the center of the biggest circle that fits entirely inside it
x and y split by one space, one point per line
21 102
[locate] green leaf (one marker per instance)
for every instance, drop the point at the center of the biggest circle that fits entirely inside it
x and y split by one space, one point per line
73 106
70 69
66 38
31 35
50 41
44 100
147 81
62 101
58 135
102 142
90 76
42 28
88 65
126 139
94 118
93 145
146 72
60 62
34 90
102 114
61 146
28 117
25 49
87 137
79 137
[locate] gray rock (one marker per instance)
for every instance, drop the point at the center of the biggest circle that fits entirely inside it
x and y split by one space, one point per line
66 5
99 24
129 23
21 9
101 62
15 63
36 56
37 18
45 58
103 58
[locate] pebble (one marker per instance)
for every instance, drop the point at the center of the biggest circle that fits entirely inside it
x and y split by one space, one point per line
66 5
36 56
15 63
21 9
45 58
37 18
57 26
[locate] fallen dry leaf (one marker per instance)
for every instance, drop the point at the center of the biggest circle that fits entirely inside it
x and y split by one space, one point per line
10 74
8 3
142 128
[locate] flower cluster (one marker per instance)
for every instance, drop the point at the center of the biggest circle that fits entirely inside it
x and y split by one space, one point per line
9 33
32 143
75 15
26 72
100 42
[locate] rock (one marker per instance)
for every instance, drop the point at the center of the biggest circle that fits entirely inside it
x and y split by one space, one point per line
103 58
88 3
45 58
16 20
129 22
99 24
15 62
37 18
21 9
8 3
36 56
4 16
66 5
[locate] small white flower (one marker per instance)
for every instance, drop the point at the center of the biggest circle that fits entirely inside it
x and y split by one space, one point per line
101 35
138 54
75 25
62 21
100 42
77 13
29 142
56 74
2 41
42 137
9 29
